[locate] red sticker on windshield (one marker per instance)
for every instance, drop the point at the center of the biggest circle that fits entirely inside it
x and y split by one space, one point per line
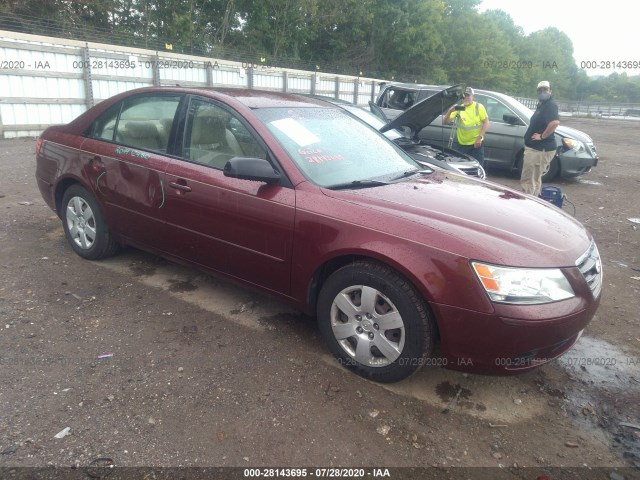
311 151
323 158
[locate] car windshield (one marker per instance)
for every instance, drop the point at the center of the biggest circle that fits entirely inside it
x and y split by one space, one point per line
334 149
373 120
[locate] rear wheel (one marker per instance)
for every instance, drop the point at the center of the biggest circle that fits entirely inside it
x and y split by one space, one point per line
84 225
375 322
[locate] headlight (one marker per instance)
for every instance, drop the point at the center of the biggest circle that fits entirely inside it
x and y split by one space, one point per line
573 144
523 285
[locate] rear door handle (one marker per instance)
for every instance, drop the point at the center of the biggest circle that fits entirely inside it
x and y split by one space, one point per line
180 185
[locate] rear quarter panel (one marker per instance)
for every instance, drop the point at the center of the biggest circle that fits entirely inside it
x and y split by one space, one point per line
57 163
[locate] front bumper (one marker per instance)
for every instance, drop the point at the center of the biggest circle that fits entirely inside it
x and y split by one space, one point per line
513 339
574 164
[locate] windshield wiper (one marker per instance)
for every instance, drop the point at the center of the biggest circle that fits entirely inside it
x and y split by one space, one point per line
357 184
374 183
411 173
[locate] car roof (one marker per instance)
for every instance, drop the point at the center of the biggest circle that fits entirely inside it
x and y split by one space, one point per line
416 86
251 98
236 97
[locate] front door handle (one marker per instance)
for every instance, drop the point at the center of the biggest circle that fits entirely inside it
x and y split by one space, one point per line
180 185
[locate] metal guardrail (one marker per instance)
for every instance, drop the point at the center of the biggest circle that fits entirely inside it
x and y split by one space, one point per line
590 109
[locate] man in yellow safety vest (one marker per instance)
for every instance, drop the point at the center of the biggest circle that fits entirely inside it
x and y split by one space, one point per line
471 121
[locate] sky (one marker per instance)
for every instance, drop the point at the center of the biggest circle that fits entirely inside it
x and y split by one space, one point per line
600 32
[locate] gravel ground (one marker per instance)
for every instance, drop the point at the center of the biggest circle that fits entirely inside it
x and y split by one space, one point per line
151 364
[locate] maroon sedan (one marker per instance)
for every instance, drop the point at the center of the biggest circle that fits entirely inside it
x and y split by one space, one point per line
298 198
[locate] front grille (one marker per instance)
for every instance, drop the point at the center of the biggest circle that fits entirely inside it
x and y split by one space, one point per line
592 149
591 268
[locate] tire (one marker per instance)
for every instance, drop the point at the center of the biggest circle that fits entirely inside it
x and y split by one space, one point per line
84 224
516 170
552 171
355 332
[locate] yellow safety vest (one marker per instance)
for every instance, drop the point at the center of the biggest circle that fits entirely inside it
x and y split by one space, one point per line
470 122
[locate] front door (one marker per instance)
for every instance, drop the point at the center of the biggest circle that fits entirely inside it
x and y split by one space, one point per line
239 227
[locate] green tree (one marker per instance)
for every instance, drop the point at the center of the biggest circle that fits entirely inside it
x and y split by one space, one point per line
551 53
478 52
276 27
406 39
339 40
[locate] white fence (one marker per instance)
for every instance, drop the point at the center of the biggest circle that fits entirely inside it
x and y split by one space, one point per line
46 81
590 109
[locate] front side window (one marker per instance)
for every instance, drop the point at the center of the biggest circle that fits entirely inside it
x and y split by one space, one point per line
495 109
332 148
213 136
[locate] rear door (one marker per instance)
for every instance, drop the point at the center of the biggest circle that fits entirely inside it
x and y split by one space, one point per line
126 150
239 227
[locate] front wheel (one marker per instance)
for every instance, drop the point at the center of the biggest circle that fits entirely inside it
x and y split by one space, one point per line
84 225
375 322
552 170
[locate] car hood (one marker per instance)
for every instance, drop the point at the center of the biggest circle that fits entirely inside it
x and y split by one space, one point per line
426 111
474 219
573 133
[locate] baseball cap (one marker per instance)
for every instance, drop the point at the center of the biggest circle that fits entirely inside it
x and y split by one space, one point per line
544 84
468 91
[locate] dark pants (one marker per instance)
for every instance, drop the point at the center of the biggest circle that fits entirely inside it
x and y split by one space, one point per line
477 153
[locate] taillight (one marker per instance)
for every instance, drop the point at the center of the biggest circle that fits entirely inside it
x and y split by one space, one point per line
38 145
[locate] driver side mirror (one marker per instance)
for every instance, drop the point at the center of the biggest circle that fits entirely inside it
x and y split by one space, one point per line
255 169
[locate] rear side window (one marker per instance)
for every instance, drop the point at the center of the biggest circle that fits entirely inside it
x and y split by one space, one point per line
105 126
142 122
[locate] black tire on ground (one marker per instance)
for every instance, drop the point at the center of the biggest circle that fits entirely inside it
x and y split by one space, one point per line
375 322
552 171
84 225
517 166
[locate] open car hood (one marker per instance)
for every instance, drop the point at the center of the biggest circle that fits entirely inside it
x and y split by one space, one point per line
426 111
